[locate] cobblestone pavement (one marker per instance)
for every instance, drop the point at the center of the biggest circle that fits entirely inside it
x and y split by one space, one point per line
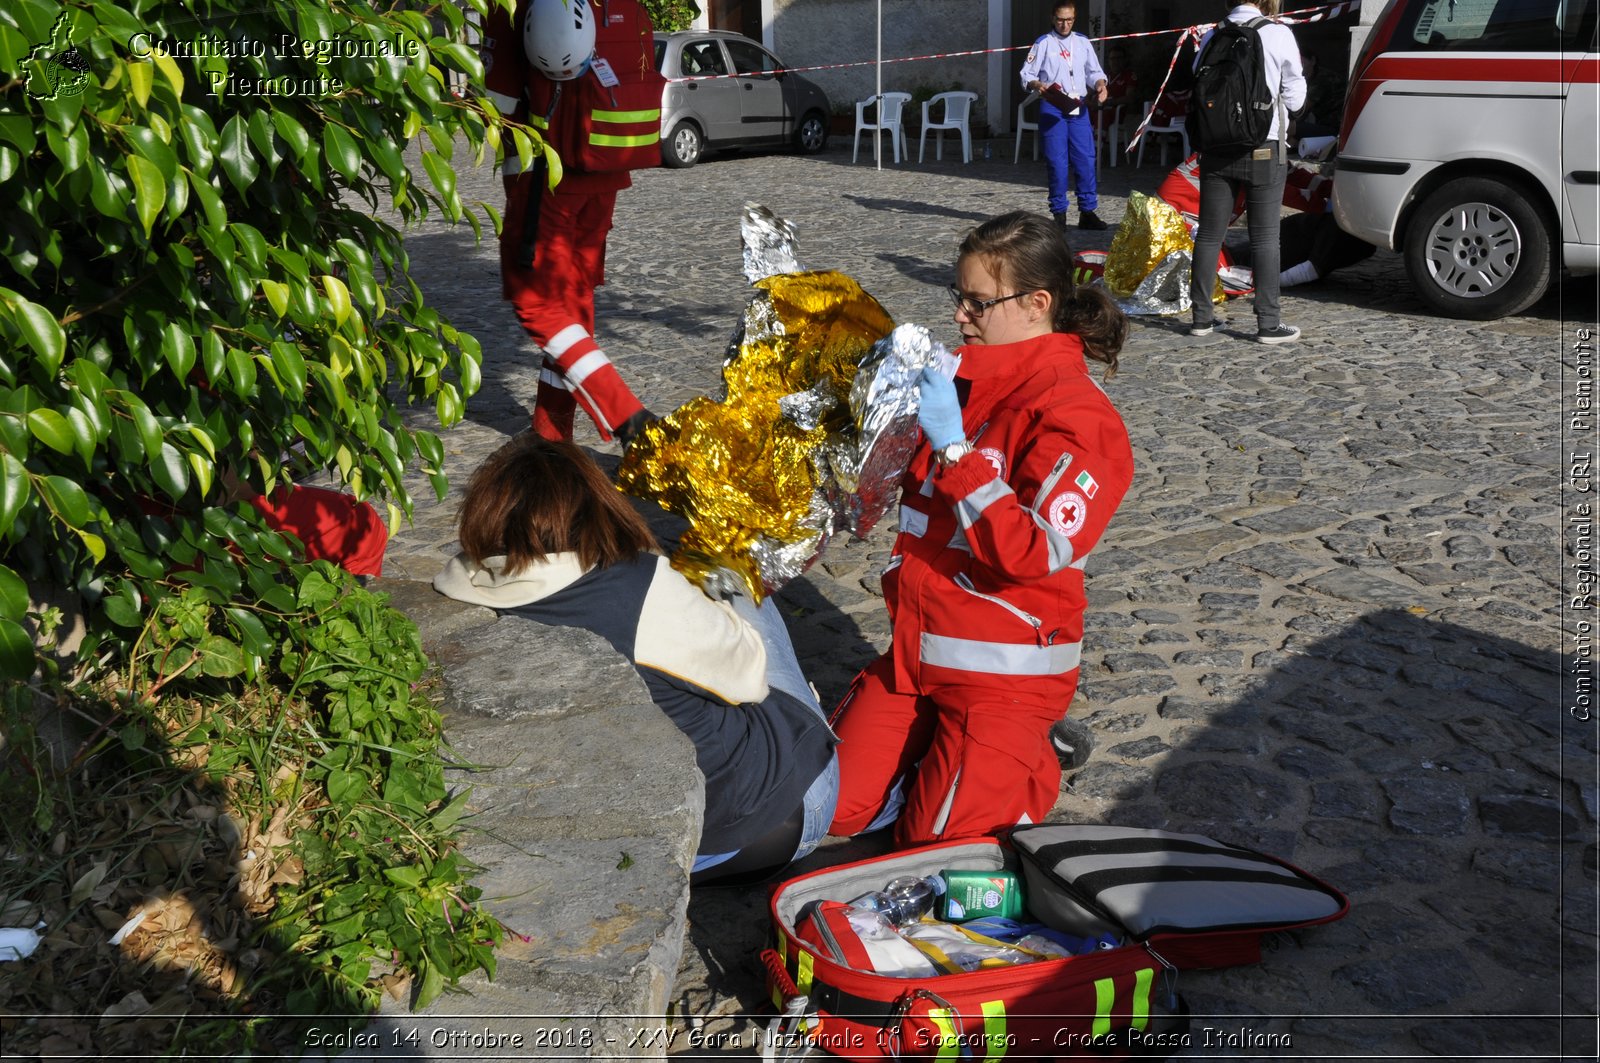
1327 621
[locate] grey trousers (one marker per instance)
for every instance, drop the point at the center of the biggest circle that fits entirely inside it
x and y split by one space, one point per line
1221 180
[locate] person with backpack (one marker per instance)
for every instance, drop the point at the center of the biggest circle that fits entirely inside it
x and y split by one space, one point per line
1248 85
1063 69
570 69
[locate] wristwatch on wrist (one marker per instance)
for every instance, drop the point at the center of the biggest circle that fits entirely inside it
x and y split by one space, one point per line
953 453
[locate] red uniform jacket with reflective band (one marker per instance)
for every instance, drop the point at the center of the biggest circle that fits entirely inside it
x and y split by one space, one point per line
599 131
985 587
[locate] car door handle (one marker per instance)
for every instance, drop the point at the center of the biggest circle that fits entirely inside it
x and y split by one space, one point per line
749 86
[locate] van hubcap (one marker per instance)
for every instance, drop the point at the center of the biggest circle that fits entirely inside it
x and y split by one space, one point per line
1473 250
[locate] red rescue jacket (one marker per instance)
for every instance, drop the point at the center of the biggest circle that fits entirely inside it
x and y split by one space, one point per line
985 588
603 123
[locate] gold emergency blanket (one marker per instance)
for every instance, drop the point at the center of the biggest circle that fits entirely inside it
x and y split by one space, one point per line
815 427
1150 230
1148 264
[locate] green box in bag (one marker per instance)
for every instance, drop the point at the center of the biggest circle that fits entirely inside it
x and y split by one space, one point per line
975 894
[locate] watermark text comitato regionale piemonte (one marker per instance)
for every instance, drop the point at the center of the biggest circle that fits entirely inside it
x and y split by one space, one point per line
143 47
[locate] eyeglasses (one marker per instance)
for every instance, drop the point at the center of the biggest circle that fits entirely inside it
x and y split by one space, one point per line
974 308
1066 20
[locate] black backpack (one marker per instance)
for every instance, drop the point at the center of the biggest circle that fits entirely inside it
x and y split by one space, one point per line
1231 107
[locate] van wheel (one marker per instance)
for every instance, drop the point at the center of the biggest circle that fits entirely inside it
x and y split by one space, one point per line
811 135
1478 249
682 149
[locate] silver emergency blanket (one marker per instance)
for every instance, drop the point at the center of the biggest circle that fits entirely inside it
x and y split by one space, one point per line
770 246
1164 290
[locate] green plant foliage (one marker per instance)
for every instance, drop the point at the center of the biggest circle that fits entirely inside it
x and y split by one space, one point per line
202 297
329 760
670 15
195 283
382 887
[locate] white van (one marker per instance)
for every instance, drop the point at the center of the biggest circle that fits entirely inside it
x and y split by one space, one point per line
1469 145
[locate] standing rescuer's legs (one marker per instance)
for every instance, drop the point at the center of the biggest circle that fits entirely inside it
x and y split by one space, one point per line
554 300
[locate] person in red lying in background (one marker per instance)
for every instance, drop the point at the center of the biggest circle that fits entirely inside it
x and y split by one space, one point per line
541 68
332 526
1310 244
1023 462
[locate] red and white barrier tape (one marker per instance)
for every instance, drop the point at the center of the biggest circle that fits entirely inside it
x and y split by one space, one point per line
1312 14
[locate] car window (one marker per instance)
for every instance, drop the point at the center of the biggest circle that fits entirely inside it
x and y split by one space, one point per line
702 59
749 59
661 55
1497 25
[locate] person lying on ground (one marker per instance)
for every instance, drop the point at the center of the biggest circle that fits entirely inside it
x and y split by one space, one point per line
545 535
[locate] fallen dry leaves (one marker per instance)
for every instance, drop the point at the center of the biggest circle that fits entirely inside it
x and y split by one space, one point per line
184 874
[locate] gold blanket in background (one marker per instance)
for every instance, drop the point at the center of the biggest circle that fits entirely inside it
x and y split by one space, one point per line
1151 229
1148 264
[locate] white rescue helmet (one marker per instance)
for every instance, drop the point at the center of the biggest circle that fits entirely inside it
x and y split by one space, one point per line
558 36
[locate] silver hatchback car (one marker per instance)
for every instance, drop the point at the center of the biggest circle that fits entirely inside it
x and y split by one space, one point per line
702 107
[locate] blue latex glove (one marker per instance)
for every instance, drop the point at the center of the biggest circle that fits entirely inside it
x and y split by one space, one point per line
939 411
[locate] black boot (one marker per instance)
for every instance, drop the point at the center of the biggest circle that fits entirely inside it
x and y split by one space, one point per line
1061 219
1073 742
1088 219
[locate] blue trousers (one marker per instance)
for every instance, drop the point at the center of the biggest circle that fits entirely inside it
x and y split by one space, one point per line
783 673
1068 155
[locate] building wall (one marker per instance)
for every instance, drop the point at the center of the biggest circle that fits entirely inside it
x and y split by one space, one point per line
819 32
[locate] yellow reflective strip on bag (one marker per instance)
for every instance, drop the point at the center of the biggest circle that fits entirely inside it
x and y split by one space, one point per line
1142 980
641 140
1105 994
783 957
994 1030
802 975
949 1044
628 116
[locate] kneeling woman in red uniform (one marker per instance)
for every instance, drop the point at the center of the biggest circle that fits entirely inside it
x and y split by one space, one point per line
1023 464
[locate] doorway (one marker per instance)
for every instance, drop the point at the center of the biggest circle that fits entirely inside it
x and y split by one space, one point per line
740 16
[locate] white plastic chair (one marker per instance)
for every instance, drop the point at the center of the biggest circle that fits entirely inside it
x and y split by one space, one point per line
1110 138
1174 126
957 114
887 121
1023 125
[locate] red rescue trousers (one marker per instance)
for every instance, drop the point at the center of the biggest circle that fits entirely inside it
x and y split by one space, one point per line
554 301
969 761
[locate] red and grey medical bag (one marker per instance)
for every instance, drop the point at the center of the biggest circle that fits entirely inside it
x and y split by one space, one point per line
1158 902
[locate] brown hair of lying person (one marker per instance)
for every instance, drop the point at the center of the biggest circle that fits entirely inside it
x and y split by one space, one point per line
534 497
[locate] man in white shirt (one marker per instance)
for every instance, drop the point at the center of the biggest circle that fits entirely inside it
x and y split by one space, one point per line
1260 173
1062 68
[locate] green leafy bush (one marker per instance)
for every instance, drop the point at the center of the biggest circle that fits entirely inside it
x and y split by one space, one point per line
670 15
202 297
196 285
336 879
